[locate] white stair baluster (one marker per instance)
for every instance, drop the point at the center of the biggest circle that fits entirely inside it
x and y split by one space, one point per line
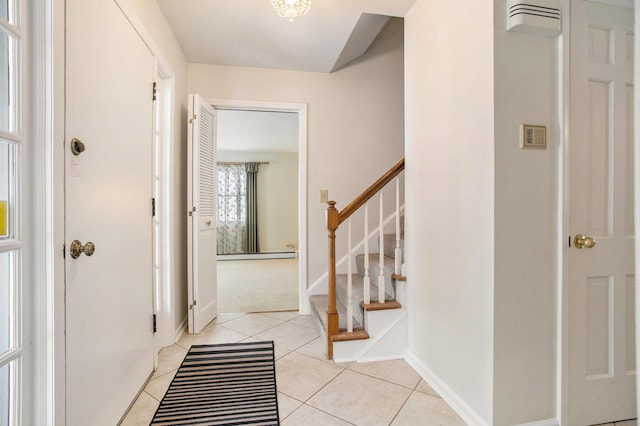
349 281
366 280
398 251
381 283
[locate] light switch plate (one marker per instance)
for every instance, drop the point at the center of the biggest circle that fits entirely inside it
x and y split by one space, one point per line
324 195
533 136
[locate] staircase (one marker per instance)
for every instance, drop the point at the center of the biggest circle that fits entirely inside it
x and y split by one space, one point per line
362 317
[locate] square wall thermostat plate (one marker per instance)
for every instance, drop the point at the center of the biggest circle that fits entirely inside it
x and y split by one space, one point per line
533 136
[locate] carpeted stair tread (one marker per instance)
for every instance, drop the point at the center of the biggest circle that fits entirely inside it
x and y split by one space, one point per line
374 271
390 245
319 304
357 287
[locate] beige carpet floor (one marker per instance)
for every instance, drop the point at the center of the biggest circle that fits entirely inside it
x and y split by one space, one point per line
263 285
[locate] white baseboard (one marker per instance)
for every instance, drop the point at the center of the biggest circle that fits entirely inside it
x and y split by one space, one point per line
256 256
182 328
458 405
455 402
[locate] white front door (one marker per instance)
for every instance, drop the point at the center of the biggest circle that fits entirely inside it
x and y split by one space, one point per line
202 211
108 191
601 343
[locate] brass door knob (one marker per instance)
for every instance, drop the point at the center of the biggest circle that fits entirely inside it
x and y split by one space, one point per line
77 248
582 241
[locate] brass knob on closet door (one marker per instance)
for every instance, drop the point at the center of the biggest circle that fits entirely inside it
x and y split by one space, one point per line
77 248
583 241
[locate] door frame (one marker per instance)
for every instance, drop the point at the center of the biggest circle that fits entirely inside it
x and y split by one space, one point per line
166 334
564 88
39 372
164 308
301 110
163 241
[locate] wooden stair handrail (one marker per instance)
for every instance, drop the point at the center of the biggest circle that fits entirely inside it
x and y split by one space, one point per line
334 219
368 193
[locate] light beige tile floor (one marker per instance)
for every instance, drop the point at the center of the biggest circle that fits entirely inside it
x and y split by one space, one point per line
311 389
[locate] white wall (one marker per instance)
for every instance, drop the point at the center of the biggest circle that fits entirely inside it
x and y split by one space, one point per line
242 130
355 121
450 193
526 231
277 197
482 234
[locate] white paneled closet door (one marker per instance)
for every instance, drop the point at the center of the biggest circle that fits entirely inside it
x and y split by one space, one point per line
601 332
108 192
202 208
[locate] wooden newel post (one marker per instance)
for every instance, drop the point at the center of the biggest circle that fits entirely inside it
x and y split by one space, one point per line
333 222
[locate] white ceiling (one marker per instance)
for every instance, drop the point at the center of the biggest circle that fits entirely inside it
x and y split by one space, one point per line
257 131
250 33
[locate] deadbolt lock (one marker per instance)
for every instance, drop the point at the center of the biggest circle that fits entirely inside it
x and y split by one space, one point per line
582 241
77 248
77 147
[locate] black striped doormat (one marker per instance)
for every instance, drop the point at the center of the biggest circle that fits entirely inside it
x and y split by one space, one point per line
227 384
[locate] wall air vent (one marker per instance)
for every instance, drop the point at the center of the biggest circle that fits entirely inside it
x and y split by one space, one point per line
541 17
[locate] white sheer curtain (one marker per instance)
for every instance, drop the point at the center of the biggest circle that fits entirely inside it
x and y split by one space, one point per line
232 209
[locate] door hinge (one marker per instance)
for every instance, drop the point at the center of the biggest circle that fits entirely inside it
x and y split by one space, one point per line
192 119
64 251
155 90
195 302
153 207
155 327
193 210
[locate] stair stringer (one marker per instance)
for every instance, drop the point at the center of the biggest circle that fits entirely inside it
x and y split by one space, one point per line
388 338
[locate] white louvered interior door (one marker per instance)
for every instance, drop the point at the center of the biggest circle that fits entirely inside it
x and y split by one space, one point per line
601 342
202 286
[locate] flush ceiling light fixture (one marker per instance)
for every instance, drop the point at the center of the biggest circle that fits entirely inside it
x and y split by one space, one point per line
291 9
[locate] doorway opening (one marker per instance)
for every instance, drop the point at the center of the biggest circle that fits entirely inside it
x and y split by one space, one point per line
270 139
163 294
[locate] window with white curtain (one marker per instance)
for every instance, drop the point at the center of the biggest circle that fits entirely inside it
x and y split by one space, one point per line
232 209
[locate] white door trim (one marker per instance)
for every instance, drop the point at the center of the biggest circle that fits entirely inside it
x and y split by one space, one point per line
133 18
636 165
301 109
564 71
39 240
